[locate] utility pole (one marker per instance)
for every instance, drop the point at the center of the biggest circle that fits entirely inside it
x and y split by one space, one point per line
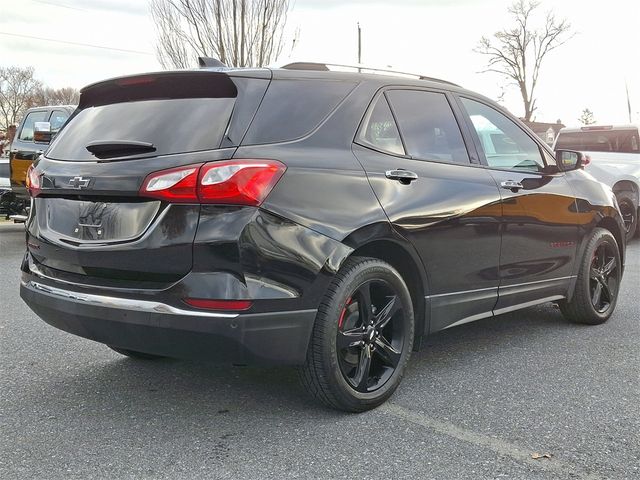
359 45
628 100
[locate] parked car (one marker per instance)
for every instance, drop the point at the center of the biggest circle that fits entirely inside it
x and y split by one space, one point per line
614 153
25 148
325 219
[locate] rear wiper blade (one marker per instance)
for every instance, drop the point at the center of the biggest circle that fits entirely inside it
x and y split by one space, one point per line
119 148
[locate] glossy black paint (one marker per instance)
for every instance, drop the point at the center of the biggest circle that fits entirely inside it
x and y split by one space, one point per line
467 247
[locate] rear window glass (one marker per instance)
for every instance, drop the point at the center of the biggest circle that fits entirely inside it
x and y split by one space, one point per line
171 125
620 141
293 108
428 126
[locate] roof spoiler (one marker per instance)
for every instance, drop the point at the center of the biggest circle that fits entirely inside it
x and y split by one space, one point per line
209 62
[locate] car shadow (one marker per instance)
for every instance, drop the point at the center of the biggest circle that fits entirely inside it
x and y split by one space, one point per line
202 391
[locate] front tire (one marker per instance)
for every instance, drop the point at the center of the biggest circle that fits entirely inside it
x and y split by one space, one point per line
362 337
598 282
629 211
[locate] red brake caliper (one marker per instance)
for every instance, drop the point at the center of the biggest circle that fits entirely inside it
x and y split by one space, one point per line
344 310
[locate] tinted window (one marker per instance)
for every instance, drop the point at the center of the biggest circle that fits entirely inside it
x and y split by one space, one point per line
172 126
26 133
505 144
57 120
293 108
380 130
427 125
622 141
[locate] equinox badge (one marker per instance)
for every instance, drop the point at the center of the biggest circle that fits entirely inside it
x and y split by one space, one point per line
79 182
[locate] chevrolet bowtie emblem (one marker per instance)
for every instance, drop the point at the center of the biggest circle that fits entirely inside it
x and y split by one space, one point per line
79 182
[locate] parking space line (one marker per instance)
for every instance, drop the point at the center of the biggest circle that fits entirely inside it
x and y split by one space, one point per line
501 447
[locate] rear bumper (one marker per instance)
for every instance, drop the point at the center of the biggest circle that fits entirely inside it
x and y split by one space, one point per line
157 328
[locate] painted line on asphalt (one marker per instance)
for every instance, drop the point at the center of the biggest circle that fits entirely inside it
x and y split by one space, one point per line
520 454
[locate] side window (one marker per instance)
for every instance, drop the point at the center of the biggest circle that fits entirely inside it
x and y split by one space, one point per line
380 130
428 126
505 144
57 120
26 133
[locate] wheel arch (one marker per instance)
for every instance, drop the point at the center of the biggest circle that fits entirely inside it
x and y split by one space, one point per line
400 254
628 186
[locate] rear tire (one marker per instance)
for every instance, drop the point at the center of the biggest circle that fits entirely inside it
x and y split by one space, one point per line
362 337
598 282
134 354
629 210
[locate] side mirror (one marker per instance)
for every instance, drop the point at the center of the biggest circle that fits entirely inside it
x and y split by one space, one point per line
570 160
42 132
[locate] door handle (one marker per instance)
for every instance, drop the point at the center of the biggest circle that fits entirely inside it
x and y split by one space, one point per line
511 185
403 176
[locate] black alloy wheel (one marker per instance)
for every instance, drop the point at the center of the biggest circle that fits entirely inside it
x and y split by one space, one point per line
603 283
362 337
370 335
598 281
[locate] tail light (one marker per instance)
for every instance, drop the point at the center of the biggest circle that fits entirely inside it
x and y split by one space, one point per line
237 182
32 181
173 185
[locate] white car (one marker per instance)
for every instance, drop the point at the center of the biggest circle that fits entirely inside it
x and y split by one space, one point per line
4 173
614 153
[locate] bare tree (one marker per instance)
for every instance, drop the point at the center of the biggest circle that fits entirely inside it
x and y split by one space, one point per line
518 52
587 117
240 33
54 96
17 86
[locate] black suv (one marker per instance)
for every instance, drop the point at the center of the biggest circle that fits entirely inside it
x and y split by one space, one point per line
325 219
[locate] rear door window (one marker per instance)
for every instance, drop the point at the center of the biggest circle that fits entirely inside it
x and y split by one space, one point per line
428 126
505 145
26 132
57 120
379 129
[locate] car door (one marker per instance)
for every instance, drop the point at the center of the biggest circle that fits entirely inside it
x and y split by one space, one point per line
24 150
539 214
438 196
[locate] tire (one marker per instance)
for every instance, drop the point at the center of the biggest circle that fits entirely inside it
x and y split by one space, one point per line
348 340
629 210
134 354
587 306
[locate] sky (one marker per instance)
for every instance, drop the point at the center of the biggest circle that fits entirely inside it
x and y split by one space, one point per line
430 37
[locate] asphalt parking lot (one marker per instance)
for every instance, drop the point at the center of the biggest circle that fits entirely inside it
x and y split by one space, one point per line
478 402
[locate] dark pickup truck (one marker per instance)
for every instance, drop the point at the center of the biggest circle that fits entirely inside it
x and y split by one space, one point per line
24 149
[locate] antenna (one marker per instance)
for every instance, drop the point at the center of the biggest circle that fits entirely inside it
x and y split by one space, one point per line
207 62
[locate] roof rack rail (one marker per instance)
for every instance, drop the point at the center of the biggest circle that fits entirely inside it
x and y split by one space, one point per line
324 67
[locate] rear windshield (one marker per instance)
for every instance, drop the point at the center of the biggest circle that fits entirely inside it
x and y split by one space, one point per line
621 141
172 126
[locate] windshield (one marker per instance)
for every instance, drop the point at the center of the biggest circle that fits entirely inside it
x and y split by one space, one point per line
620 141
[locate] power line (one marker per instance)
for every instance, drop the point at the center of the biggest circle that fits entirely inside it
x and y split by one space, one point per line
60 5
138 52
